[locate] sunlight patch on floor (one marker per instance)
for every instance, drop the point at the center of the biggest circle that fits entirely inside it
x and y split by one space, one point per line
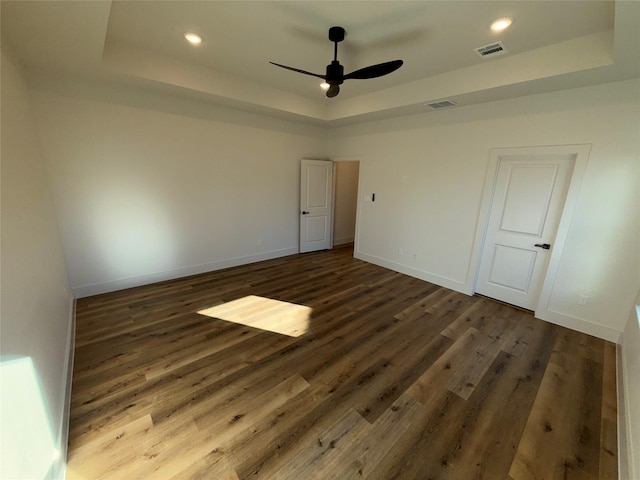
264 313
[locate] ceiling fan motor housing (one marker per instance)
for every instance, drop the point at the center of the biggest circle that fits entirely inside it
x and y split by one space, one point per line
335 73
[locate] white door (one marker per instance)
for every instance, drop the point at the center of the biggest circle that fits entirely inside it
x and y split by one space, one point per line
316 196
527 204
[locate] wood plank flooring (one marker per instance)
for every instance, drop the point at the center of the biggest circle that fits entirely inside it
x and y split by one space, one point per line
394 378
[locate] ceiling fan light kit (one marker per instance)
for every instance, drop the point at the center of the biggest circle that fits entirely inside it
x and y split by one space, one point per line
334 75
193 38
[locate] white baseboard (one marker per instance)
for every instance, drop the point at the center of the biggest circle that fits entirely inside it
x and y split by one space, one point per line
58 469
456 285
580 325
342 241
556 318
95 289
624 457
629 396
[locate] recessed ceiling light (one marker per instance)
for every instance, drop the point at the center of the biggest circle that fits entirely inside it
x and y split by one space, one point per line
193 38
324 86
501 24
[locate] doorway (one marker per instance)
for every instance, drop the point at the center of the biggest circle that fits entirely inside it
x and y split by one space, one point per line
346 175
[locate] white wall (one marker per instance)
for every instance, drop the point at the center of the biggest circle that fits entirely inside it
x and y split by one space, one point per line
444 156
36 311
149 187
631 385
346 198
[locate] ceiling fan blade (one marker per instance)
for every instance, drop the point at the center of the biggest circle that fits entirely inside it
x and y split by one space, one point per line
374 71
333 91
299 71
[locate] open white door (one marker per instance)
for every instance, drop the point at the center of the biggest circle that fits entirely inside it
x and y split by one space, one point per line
527 205
316 197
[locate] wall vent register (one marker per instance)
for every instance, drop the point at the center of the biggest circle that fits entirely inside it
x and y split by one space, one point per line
441 104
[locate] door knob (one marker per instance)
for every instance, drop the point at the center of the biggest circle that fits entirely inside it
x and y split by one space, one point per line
546 246
305 213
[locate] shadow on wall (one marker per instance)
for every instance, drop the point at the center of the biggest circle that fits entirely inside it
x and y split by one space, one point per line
132 231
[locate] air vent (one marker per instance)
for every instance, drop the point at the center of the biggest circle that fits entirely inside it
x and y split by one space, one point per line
492 50
441 104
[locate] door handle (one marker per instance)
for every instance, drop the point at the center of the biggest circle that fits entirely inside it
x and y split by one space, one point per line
546 246
305 213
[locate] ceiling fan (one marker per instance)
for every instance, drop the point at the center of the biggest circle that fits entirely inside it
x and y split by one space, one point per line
335 72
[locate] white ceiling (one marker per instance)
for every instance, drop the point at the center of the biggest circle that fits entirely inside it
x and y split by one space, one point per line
552 45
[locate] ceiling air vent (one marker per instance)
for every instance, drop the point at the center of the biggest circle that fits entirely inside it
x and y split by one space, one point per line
492 50
441 104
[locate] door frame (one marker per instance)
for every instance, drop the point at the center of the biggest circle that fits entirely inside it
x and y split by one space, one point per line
581 155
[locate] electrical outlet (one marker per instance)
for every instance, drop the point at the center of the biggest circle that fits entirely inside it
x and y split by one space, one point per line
583 300
401 251
259 242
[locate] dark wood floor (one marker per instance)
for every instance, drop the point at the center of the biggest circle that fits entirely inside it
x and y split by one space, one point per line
395 378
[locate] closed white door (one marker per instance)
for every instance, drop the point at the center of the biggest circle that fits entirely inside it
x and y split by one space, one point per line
527 204
316 197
